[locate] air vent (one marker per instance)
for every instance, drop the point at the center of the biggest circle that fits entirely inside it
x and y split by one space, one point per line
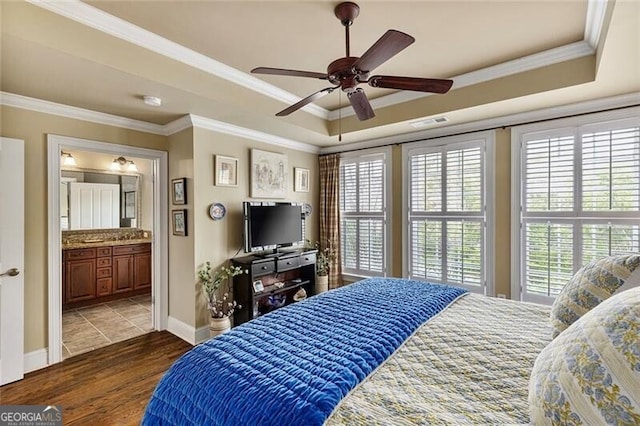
428 122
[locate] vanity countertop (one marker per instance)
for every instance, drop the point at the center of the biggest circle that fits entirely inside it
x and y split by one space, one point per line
105 243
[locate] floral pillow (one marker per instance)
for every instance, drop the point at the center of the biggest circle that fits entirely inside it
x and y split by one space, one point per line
590 374
594 282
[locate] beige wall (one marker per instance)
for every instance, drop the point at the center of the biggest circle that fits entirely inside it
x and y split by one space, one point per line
33 127
218 241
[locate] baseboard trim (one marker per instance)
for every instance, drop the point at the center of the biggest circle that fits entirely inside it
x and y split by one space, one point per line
202 334
35 360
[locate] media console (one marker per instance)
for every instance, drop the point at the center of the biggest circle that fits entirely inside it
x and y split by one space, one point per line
272 281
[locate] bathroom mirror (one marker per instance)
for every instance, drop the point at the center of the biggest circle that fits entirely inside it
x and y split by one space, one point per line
95 199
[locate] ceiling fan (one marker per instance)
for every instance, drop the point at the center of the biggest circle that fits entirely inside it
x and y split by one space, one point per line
348 72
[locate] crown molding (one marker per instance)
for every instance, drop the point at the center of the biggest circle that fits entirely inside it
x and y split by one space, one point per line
39 105
109 24
47 107
112 25
243 132
512 120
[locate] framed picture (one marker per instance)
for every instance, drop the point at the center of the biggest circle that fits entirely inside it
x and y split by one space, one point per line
268 174
179 191
257 286
301 179
130 205
179 221
226 171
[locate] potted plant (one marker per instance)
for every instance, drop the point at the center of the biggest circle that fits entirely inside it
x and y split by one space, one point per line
220 308
324 259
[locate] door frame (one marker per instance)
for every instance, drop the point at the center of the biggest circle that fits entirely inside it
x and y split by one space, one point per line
160 241
12 288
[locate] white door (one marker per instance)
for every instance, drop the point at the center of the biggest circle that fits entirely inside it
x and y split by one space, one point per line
94 205
11 260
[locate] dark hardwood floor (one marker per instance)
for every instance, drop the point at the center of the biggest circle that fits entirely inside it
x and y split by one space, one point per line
110 385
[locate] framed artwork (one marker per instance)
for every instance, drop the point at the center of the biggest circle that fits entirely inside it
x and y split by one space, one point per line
179 222
268 174
301 179
130 205
226 171
179 191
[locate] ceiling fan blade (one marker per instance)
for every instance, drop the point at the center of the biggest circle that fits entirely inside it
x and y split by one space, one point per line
361 104
411 83
387 46
305 101
293 73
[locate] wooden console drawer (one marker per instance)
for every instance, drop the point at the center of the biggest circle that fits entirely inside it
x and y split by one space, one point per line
104 261
288 263
263 268
307 259
89 253
103 272
131 249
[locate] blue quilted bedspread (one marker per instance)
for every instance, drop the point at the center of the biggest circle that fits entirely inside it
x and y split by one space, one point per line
294 365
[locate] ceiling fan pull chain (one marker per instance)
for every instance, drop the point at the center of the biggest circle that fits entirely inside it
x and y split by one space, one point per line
340 115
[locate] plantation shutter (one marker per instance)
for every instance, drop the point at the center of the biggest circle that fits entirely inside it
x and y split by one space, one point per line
363 215
580 201
447 215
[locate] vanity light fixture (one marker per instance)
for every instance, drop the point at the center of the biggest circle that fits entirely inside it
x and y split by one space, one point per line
122 164
67 159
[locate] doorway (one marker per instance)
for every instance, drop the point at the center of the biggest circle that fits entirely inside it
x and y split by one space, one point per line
129 310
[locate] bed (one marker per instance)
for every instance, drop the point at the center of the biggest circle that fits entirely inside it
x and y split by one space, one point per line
380 351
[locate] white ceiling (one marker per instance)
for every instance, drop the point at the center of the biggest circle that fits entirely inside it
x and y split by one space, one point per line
504 57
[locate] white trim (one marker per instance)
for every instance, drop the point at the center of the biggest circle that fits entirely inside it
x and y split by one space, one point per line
39 105
186 332
576 125
516 66
488 142
160 288
387 155
243 132
190 120
35 360
114 26
591 106
595 19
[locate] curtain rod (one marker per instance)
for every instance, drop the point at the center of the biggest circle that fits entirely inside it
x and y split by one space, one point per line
504 126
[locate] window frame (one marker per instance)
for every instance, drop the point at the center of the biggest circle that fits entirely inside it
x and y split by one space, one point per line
487 143
362 156
577 126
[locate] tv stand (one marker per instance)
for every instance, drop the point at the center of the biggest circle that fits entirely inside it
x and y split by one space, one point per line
281 276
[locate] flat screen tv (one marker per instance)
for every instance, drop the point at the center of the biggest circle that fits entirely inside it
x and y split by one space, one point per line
268 226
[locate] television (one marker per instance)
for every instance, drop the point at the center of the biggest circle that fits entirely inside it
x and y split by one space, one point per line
270 225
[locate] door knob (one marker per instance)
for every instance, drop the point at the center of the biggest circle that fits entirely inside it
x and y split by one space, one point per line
10 272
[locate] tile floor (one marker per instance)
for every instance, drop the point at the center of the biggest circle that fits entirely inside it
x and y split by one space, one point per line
92 327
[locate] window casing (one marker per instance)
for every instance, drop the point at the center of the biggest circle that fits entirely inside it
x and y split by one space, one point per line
364 213
577 198
448 186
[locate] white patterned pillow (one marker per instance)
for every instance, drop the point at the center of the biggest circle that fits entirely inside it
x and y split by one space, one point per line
590 374
594 282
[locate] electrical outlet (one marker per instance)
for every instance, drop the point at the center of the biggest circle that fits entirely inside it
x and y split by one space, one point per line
145 235
502 296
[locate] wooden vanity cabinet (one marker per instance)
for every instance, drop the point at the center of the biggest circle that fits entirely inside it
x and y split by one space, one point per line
96 275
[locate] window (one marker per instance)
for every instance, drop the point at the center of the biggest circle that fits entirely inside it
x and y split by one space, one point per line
579 200
447 216
363 213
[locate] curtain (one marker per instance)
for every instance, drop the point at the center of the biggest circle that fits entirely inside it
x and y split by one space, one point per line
330 213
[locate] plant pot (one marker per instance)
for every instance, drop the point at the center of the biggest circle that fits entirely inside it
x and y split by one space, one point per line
218 326
322 283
